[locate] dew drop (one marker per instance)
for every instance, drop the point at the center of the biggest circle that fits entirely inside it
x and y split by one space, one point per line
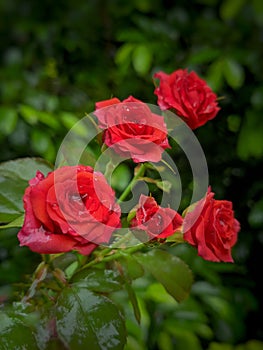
159 220
75 197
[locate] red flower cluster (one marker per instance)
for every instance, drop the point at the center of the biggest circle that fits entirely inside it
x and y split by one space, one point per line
188 95
74 208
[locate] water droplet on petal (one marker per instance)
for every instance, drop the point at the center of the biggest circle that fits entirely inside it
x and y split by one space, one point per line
158 220
75 197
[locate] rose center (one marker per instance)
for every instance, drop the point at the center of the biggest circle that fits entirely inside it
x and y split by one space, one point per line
76 197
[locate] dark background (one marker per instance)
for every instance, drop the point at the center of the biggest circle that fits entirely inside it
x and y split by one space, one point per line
59 57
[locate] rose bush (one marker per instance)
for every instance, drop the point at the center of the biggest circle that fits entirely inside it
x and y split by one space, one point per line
73 208
211 227
188 95
156 221
132 130
72 211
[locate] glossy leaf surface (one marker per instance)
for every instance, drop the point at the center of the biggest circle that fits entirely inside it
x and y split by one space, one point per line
89 321
169 270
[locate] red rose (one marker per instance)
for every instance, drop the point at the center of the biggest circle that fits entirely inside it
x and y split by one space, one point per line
158 222
131 129
190 97
212 228
73 208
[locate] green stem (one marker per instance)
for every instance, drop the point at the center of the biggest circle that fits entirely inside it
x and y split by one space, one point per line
113 256
132 183
46 258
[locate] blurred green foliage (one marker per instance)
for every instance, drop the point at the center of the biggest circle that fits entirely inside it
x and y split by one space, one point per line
59 57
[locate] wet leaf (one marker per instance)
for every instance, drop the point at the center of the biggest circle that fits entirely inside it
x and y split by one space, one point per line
14 177
102 281
89 321
14 334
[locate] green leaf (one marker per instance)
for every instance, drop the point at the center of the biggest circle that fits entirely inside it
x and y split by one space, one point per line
70 270
70 121
215 74
89 321
234 73
14 334
120 177
230 8
64 260
29 114
254 345
220 346
40 141
165 341
133 343
45 332
18 222
33 116
14 177
131 268
123 55
204 55
8 120
134 301
157 293
255 217
185 339
169 270
258 10
96 280
233 122
250 141
142 59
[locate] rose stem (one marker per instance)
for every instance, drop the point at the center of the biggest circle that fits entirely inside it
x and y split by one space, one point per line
132 183
113 256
